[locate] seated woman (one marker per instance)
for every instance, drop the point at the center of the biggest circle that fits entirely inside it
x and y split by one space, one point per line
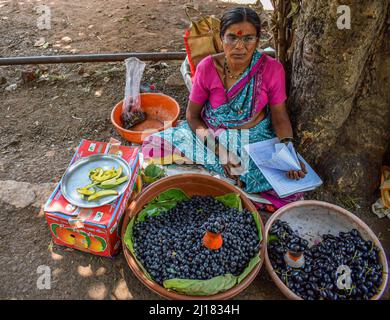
238 97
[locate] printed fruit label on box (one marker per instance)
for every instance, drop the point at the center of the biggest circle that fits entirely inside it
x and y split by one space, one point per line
93 230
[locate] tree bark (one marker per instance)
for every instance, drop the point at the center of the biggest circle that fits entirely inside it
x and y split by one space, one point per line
339 96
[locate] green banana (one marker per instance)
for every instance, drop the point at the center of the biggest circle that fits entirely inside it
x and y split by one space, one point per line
119 172
101 194
85 191
112 183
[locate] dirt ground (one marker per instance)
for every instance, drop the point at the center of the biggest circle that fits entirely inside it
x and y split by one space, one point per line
47 110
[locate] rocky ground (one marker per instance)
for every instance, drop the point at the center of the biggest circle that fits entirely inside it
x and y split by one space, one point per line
47 109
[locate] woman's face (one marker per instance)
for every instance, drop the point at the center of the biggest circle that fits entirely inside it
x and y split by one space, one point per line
240 52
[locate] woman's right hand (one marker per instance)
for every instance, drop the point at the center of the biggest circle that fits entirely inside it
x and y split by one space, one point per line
296 175
230 162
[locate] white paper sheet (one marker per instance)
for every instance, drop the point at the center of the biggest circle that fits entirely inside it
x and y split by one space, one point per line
283 157
273 160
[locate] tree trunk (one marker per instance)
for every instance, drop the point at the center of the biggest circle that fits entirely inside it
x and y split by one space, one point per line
339 96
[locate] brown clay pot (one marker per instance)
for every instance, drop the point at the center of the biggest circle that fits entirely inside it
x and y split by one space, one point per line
313 218
161 112
191 184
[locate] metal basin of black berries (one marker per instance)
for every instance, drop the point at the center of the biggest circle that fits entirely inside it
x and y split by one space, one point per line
317 250
205 268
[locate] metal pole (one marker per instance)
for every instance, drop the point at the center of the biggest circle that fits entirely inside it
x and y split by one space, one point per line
108 57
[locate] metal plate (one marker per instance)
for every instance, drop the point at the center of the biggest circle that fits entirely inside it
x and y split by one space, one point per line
77 176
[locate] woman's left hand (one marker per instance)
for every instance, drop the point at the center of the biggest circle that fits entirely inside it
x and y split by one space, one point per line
292 174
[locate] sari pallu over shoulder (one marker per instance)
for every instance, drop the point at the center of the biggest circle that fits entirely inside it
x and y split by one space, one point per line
243 98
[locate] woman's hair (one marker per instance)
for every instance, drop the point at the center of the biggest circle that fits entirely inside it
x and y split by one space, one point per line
237 15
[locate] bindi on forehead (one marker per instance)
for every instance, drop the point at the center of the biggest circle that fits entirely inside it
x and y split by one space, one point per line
239 33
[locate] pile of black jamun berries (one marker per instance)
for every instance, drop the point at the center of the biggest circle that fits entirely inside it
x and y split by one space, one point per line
318 278
170 245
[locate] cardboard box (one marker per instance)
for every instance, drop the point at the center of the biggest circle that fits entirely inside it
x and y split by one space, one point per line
94 230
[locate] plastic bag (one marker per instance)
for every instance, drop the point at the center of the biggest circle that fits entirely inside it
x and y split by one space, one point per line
186 73
132 113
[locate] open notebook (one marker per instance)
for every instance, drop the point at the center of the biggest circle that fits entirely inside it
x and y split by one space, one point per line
273 160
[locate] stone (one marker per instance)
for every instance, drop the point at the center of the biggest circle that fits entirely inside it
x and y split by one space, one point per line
101 271
66 39
18 194
85 271
121 291
40 42
175 80
11 87
42 193
50 154
97 291
56 272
